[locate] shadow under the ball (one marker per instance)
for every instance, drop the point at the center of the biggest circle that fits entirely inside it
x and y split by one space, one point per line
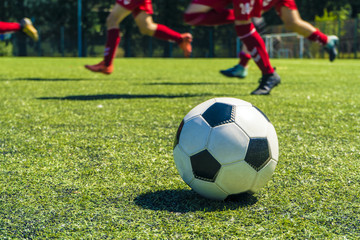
184 201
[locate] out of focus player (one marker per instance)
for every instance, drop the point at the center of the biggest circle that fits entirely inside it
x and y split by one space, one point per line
244 11
209 13
215 12
142 11
289 14
25 25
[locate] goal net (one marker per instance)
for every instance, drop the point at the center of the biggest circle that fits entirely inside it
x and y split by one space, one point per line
282 45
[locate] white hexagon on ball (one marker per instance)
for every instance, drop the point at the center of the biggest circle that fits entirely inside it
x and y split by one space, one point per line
236 178
264 175
252 121
228 143
208 189
183 164
194 135
273 142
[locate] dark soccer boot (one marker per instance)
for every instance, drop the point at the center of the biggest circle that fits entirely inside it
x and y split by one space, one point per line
267 82
330 47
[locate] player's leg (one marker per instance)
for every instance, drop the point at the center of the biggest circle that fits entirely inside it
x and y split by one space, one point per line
6 27
251 38
293 22
147 27
208 13
241 70
25 25
118 13
254 43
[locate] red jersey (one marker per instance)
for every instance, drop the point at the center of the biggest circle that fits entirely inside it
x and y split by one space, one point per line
136 6
253 6
215 4
246 9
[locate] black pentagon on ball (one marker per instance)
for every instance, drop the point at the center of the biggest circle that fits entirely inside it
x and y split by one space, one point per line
219 113
205 166
258 153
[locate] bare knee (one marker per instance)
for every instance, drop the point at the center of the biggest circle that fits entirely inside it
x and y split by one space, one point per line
111 21
144 30
147 28
291 19
146 24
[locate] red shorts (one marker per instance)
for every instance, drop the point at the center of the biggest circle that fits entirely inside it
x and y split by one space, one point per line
246 9
215 4
268 4
136 6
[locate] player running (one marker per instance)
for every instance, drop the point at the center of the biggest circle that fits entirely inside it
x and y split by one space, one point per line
289 14
244 11
25 25
142 11
209 13
214 12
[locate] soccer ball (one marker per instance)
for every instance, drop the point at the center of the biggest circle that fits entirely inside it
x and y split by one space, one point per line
225 146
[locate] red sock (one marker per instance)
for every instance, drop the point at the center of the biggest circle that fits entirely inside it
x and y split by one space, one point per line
9 27
210 18
167 34
244 58
255 44
318 36
112 43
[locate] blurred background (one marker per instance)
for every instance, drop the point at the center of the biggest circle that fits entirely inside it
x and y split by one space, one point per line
71 28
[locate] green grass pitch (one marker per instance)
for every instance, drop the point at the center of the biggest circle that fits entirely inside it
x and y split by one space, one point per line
88 156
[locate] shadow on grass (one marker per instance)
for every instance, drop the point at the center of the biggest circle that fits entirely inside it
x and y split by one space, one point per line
186 83
184 201
122 96
46 79
194 83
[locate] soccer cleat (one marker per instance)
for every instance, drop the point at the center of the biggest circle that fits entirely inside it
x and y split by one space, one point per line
236 71
267 82
28 28
100 68
185 44
330 47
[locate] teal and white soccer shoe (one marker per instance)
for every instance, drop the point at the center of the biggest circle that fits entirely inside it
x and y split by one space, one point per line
236 71
330 47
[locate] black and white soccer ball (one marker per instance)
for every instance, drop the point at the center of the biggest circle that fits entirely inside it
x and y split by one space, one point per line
225 146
